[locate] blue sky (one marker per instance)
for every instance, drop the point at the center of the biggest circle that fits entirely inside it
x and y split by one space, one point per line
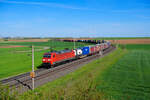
75 18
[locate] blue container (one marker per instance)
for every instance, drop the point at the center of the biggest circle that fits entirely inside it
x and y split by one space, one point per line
108 43
85 50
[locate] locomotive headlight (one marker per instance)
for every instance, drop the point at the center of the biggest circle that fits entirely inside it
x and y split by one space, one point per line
43 59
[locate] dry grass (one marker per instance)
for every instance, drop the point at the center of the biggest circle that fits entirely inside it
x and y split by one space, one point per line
131 41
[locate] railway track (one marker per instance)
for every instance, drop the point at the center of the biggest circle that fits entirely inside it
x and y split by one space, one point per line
23 82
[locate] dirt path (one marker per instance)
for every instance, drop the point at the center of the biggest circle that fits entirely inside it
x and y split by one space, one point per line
11 46
131 41
29 40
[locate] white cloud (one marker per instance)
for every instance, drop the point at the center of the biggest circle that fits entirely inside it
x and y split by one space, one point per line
44 4
131 11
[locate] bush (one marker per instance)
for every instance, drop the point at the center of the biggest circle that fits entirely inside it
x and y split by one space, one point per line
6 94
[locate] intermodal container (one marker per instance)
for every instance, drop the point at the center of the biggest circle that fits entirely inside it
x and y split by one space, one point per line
85 50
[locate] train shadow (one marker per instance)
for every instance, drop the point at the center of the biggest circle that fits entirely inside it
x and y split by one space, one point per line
43 66
64 62
40 66
47 66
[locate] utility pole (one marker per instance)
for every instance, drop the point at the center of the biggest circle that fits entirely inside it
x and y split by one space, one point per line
116 43
32 74
50 47
74 44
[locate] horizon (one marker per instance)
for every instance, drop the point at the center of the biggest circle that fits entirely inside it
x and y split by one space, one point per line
68 37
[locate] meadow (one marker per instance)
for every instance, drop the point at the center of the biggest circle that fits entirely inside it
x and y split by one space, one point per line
125 77
57 45
77 85
135 46
15 61
128 79
121 75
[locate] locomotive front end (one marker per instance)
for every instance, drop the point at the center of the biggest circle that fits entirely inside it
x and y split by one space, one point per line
47 59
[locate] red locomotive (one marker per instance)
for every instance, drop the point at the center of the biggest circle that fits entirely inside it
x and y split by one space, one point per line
56 57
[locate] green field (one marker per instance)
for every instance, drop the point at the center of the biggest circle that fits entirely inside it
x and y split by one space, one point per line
57 45
122 75
14 61
135 46
77 85
128 78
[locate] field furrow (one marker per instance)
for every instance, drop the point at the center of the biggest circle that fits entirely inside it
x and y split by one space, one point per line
128 78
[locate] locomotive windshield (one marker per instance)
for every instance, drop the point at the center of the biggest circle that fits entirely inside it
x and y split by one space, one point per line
47 56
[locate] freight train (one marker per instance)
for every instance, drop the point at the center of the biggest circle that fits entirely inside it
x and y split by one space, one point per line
51 58
86 41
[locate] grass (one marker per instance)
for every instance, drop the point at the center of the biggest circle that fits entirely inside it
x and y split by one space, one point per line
13 62
78 85
135 46
128 79
58 45
121 75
